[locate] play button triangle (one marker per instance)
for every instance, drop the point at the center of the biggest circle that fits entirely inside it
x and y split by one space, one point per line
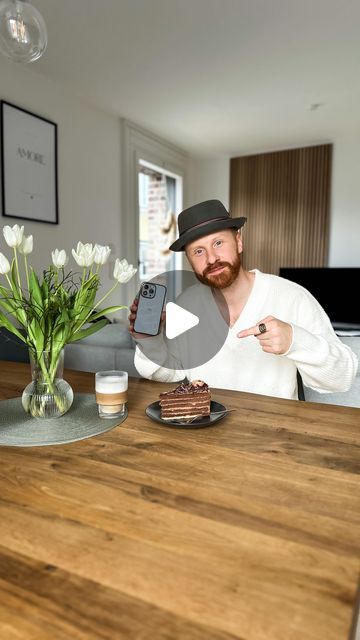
178 320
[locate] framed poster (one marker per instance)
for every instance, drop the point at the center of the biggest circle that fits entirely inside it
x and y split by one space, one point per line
28 165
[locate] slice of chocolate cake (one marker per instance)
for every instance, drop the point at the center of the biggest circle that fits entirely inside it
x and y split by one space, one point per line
186 402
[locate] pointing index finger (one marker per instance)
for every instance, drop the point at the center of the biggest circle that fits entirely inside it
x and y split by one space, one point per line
253 331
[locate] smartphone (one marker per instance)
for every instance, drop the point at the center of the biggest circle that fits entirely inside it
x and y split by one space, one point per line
151 300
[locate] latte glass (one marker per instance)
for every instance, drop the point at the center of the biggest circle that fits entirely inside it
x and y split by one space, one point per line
111 393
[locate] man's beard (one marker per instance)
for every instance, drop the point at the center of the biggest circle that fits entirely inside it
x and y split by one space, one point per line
223 279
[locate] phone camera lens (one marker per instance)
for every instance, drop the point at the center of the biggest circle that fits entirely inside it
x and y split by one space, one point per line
146 286
145 293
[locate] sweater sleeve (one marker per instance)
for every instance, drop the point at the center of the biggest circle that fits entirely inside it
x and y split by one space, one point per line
149 352
325 363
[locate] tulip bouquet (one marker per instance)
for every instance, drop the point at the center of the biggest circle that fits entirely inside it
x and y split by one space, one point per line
49 312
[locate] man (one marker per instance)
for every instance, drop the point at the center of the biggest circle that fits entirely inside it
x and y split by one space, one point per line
276 327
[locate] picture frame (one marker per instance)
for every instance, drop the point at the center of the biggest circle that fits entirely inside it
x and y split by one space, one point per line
29 166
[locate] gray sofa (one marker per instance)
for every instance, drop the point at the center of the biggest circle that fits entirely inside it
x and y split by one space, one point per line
110 348
349 398
113 348
12 348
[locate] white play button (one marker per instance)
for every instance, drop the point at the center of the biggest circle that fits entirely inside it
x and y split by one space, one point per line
178 320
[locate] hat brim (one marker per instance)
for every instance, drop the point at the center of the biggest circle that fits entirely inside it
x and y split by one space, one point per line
205 230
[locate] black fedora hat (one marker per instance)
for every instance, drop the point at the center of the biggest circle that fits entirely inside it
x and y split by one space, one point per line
202 219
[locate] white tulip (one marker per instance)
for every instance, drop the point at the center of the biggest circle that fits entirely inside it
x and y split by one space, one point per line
59 258
13 235
4 265
101 254
84 254
123 271
26 245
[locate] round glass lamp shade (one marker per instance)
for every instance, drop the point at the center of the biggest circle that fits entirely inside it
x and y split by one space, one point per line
23 35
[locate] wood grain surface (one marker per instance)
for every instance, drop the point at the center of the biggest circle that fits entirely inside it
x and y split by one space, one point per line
248 530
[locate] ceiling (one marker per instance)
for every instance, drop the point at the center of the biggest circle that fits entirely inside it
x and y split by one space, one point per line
215 77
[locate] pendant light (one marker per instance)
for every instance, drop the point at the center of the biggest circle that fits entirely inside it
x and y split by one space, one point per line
23 35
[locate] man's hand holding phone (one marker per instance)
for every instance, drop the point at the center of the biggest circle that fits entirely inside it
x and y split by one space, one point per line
147 313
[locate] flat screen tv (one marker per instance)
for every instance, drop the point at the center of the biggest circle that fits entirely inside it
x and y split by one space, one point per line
336 289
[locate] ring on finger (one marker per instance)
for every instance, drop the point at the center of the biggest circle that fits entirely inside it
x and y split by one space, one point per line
262 327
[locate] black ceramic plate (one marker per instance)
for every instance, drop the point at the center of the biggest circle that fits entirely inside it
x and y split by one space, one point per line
217 412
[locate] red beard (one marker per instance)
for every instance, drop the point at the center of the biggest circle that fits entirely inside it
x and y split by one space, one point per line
223 279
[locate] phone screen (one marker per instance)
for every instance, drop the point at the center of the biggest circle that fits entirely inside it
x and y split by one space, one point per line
150 305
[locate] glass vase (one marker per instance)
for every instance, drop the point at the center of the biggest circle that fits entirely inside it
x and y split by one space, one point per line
48 395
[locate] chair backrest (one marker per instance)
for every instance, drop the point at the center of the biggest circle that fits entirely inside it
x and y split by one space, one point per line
349 398
301 394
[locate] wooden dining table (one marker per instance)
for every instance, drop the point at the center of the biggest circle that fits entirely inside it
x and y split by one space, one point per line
248 529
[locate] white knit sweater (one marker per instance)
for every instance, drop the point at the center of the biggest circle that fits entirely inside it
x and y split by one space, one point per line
324 362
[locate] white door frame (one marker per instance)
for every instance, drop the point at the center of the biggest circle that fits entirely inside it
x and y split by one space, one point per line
177 262
139 144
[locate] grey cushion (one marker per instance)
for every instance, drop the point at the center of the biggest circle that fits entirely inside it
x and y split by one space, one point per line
112 335
110 348
349 398
93 358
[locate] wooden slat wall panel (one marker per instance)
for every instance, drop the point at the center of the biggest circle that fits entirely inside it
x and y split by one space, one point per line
286 198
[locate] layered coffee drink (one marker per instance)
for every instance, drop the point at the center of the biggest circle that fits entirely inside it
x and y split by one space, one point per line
111 389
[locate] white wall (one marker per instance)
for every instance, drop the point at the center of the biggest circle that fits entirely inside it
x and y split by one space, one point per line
209 178
88 169
344 250
89 176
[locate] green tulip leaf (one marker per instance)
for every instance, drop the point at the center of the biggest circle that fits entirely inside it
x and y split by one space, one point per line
101 314
93 328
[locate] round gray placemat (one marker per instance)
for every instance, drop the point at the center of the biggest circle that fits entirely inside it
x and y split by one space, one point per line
18 429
